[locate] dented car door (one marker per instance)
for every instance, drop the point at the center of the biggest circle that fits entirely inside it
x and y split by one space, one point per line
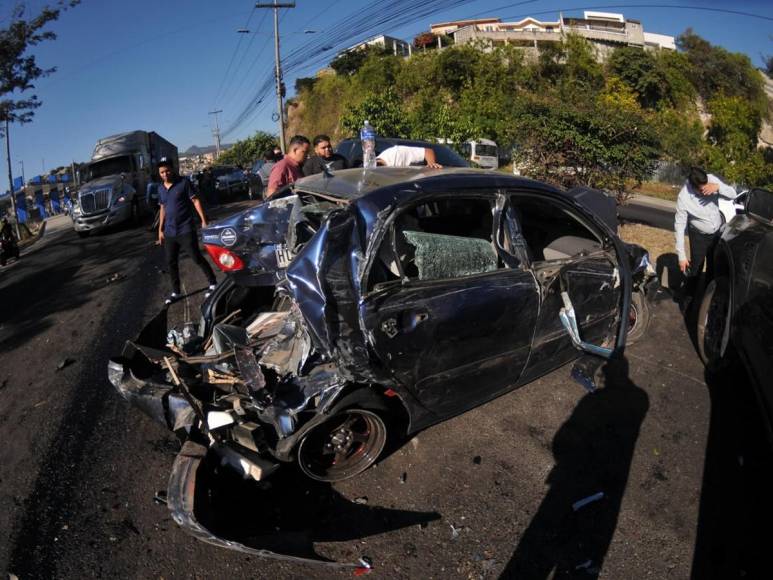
455 341
582 272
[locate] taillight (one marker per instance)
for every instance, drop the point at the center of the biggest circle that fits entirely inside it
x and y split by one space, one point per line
224 258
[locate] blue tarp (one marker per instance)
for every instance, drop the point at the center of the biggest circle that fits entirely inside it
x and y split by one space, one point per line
52 179
21 207
53 196
66 178
40 203
36 180
18 183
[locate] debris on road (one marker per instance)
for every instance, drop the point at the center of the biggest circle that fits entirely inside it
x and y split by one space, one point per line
65 363
361 500
477 460
403 477
590 499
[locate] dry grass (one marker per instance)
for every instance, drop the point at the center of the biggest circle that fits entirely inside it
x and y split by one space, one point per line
660 190
656 241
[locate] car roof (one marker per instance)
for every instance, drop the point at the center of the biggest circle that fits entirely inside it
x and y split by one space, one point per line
353 184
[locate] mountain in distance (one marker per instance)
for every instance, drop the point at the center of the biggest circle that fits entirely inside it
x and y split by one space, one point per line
196 150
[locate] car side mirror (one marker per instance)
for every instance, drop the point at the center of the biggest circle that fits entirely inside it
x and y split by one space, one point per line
759 205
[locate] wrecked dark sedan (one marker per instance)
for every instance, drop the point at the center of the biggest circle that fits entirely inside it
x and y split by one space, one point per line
368 305
735 319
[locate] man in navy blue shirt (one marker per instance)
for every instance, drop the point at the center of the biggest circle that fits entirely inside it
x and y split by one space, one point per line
176 227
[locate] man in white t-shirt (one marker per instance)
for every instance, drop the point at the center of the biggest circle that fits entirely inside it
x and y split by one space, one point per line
405 155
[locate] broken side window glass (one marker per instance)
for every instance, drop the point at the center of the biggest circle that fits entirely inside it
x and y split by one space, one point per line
438 256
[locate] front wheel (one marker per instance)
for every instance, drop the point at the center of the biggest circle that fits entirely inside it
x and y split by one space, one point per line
343 446
638 317
713 332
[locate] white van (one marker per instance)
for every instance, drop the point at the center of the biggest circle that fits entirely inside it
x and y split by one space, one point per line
484 152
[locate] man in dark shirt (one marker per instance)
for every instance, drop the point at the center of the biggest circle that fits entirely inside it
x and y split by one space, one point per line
176 227
323 159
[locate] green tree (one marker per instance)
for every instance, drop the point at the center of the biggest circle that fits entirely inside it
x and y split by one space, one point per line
385 112
579 143
681 136
18 69
716 71
638 69
731 149
350 61
245 152
304 84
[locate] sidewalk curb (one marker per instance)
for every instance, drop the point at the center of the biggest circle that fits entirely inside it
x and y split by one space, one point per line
652 201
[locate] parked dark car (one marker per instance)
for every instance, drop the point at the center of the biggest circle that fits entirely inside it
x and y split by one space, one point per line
735 318
369 305
229 180
257 177
352 150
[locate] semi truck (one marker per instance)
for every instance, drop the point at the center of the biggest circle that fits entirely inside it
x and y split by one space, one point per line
113 184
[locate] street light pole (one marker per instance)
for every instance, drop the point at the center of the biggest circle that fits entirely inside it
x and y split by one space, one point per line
277 67
10 179
217 132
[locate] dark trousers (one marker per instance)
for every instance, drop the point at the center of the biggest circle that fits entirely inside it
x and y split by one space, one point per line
701 249
190 243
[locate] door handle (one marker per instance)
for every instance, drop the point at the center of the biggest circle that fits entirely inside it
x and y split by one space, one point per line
412 319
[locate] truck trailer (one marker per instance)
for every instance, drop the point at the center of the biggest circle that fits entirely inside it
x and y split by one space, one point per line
114 184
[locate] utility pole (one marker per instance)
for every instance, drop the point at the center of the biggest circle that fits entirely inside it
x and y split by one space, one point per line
278 68
216 132
23 180
10 179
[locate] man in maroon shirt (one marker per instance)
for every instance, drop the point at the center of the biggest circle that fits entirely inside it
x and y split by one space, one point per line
288 170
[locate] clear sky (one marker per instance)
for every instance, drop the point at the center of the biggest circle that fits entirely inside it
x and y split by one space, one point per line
161 65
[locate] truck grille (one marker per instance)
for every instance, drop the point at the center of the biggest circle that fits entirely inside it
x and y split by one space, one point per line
95 201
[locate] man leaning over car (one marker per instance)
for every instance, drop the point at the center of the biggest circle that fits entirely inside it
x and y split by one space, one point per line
697 211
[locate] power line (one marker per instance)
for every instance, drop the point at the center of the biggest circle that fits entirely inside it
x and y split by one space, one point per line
673 6
233 57
349 30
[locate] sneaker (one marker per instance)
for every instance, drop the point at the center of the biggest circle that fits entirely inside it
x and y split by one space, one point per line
171 298
210 289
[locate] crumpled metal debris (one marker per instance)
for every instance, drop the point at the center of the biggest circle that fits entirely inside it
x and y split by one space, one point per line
287 352
65 363
585 501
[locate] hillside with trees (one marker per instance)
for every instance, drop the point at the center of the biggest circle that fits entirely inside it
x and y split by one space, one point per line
568 118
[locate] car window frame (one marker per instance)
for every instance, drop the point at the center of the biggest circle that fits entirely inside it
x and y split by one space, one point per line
576 213
492 195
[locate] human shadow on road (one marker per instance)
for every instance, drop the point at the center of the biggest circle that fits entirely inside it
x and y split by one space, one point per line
290 514
736 505
593 450
668 272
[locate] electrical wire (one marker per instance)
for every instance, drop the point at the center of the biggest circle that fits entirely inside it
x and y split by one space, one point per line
233 56
673 6
343 34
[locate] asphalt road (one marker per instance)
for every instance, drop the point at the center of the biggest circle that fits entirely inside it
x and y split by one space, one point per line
680 458
650 215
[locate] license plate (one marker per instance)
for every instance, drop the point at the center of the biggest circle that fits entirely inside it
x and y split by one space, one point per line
283 256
